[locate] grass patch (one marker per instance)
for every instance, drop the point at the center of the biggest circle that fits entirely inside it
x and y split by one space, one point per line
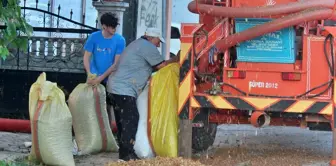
21 161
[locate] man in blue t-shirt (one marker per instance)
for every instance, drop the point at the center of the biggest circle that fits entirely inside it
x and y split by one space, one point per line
102 51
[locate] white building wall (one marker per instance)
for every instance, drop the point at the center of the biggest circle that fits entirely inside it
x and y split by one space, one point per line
151 13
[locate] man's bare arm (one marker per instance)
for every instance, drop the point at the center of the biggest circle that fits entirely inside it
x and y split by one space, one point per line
110 69
174 59
86 61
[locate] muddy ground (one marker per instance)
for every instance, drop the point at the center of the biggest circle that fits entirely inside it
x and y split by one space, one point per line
234 145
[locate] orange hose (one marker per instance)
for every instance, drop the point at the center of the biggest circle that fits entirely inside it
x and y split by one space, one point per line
308 10
278 24
205 7
15 125
23 126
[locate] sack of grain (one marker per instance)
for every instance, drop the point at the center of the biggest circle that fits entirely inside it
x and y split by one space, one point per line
163 118
91 125
142 146
51 123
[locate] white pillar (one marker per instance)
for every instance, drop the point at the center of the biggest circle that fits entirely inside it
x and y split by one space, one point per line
117 7
168 28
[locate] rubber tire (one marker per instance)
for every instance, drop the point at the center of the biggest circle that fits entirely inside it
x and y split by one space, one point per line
320 127
203 137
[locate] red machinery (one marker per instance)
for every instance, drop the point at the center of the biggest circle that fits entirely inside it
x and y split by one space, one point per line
259 62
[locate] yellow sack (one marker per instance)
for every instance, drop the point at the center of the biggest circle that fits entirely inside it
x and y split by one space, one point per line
163 118
51 124
91 125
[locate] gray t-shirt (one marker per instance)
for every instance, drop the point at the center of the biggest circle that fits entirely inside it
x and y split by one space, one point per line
134 69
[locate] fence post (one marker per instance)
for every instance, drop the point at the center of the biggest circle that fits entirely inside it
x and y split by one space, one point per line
117 7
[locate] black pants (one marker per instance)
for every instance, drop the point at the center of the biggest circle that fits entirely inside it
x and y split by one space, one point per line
127 118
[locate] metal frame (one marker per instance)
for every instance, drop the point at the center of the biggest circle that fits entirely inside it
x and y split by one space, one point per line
55 42
63 62
51 4
88 29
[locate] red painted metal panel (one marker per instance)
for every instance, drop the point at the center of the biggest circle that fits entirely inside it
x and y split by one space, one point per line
317 65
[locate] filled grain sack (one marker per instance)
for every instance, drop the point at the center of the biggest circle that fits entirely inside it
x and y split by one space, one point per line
163 117
51 123
91 125
142 146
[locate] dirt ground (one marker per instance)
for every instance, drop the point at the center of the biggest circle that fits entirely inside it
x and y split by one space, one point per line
12 147
278 146
234 145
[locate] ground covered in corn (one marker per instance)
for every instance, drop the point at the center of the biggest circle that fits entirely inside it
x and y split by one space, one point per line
234 146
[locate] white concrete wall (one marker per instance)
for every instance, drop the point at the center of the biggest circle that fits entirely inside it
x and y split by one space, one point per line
149 15
152 13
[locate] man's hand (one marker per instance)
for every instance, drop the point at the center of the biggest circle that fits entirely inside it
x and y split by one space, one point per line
94 81
174 59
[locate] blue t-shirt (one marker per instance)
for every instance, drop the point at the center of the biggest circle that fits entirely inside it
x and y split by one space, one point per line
103 51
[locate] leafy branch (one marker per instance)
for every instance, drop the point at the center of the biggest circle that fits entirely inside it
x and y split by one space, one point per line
17 30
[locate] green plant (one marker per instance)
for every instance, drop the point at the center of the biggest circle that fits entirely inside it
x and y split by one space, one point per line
21 161
16 31
9 163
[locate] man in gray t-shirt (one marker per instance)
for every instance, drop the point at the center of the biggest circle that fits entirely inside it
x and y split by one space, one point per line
135 67
136 64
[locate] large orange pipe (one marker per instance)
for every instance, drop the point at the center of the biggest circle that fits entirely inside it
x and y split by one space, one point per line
15 125
23 126
314 12
205 7
278 24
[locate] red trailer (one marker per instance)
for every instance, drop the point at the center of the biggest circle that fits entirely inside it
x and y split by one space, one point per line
260 62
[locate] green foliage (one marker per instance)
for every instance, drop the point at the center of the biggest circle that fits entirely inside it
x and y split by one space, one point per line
9 163
17 30
25 161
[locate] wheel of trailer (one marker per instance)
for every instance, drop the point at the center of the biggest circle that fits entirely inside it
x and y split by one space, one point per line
203 132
